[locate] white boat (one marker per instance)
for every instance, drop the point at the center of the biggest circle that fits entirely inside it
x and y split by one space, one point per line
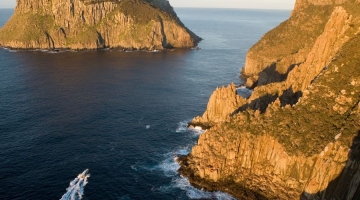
84 174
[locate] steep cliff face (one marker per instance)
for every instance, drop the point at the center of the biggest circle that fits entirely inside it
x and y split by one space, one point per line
92 24
280 50
298 137
323 51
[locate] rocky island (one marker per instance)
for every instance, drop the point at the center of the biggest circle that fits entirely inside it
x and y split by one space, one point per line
95 24
298 135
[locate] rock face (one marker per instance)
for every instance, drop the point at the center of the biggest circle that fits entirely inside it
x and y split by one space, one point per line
93 24
223 102
324 50
298 135
261 164
269 61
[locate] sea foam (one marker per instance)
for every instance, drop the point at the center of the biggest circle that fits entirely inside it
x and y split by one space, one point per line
170 167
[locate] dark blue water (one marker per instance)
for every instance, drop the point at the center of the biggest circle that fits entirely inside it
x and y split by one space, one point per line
121 115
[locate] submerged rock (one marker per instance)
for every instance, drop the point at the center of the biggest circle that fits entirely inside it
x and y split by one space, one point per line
95 24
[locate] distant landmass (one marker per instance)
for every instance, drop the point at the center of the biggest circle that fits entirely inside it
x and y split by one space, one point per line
96 24
298 135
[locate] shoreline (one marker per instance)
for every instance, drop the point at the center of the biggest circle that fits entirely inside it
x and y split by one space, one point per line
229 187
60 50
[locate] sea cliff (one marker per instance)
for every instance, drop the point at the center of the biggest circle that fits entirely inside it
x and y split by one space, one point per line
297 135
95 24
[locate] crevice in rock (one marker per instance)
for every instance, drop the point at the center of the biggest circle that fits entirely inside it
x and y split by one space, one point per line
164 42
82 16
49 40
289 97
100 43
267 76
261 104
72 8
63 32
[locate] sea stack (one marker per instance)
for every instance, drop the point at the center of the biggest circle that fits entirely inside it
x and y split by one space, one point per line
95 24
298 135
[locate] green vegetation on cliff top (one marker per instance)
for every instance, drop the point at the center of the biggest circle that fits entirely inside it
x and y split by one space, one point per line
35 26
144 11
299 31
331 107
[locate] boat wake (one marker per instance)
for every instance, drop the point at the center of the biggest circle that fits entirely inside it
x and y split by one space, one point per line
75 191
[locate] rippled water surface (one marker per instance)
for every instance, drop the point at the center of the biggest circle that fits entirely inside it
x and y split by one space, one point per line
121 115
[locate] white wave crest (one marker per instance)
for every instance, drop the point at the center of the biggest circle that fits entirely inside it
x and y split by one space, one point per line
169 166
194 193
75 191
183 128
197 130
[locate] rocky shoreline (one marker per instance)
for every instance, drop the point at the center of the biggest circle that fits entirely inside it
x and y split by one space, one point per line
229 186
84 50
297 135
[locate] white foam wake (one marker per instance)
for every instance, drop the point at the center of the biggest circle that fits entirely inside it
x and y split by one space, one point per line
75 191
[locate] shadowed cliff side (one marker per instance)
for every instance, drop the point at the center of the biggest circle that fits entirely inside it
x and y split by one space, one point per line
94 24
298 137
348 178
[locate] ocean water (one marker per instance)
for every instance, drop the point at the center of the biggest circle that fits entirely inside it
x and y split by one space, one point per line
122 115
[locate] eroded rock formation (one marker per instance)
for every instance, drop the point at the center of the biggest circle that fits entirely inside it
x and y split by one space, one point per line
297 136
222 103
93 24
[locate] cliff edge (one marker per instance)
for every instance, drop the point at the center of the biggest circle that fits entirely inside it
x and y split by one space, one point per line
95 24
297 135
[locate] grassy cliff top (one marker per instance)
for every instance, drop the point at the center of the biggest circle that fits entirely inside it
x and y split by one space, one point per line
328 108
299 32
144 11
